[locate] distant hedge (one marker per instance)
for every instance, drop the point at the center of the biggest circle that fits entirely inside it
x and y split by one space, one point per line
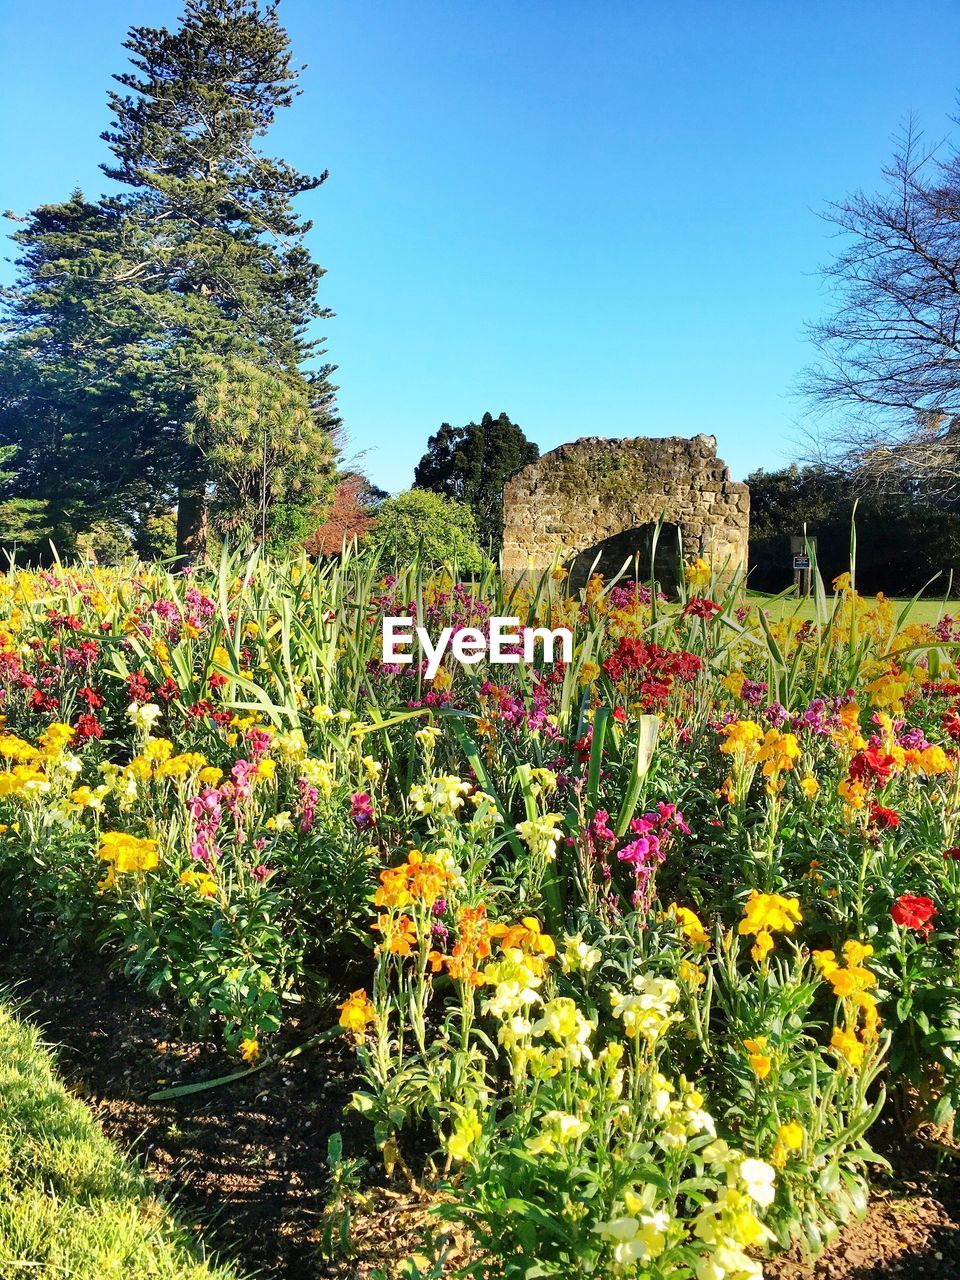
902 541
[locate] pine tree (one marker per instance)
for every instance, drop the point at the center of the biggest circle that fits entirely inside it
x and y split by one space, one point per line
201 254
20 518
472 463
85 391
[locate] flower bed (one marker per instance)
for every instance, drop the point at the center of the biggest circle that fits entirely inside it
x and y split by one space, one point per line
631 949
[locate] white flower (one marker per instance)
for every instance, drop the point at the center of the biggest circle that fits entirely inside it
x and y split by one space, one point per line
758 1180
143 717
541 835
577 957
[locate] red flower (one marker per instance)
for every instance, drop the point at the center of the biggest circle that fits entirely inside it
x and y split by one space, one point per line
168 690
882 817
913 912
953 853
700 607
88 726
872 766
951 724
138 688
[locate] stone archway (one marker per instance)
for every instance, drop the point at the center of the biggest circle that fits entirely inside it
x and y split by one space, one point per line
630 552
588 494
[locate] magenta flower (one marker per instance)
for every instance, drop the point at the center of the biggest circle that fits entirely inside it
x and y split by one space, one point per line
361 809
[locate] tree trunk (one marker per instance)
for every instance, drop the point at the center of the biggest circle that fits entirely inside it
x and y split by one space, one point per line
191 525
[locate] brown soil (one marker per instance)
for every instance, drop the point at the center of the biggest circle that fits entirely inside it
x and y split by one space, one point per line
910 1232
247 1162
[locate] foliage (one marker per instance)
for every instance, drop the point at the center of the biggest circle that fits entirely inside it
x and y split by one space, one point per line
69 1203
471 464
105 542
119 302
426 527
352 514
630 949
268 455
20 518
906 542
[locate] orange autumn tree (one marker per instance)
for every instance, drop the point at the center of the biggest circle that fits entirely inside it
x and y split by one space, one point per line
350 516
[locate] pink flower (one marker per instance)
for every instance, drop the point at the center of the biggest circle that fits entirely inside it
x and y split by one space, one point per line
361 809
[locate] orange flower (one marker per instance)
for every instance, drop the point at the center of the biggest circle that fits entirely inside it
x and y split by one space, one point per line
417 879
526 936
356 1011
399 935
393 891
473 945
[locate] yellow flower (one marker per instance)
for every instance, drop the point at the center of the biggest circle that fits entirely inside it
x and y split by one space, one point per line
542 835
527 936
689 924
249 1050
734 683
465 1133
760 1061
768 913
202 881
809 786
143 717
578 956
691 973
54 738
742 739
127 852
762 947
778 752
888 690
357 1011
157 750
853 792
14 748
791 1135
847 1046
697 574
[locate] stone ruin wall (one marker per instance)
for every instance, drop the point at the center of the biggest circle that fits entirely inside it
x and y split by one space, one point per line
575 496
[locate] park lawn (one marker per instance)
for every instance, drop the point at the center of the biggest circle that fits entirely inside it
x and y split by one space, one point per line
70 1204
928 610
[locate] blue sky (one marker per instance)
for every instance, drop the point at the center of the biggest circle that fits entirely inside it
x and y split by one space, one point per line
600 218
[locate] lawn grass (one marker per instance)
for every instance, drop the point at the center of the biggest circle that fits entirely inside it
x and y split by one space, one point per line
928 610
70 1204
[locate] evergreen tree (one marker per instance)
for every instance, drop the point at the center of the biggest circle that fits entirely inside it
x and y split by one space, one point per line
257 430
20 519
202 253
88 395
471 464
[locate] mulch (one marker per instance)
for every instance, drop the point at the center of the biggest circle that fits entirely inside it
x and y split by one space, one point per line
247 1163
